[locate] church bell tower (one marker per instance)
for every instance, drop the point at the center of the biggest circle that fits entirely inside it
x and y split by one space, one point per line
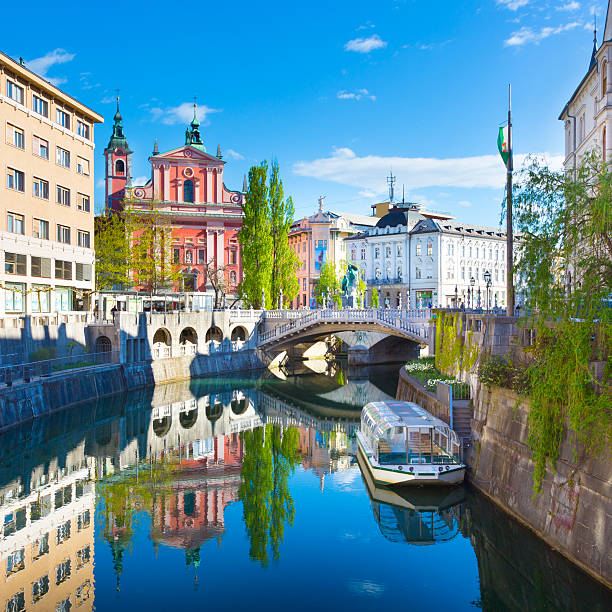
118 169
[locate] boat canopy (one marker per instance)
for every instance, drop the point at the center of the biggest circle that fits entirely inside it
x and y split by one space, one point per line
379 417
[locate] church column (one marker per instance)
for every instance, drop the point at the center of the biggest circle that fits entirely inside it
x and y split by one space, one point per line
156 183
219 193
210 246
166 195
209 189
220 248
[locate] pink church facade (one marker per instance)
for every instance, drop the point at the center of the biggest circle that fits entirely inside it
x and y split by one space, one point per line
187 185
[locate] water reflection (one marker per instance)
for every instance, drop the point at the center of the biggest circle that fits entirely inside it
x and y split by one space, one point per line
241 460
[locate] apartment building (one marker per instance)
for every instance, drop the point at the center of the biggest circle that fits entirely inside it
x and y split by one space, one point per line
46 195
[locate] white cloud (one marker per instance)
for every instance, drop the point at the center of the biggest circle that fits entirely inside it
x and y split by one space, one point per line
355 95
369 172
367 25
233 154
183 113
569 6
528 35
365 45
140 180
513 5
100 183
464 203
42 65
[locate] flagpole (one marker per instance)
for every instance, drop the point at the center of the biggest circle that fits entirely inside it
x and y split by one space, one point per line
509 233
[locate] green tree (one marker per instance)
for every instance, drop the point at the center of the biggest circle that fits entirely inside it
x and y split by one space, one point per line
565 262
328 285
375 302
112 249
285 262
361 289
150 234
255 238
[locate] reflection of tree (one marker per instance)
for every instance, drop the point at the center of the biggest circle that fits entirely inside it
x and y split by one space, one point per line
122 496
270 457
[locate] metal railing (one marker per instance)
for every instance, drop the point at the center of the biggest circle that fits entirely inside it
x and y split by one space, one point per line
25 372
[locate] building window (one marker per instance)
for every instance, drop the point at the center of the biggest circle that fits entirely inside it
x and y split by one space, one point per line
491 254
83 202
463 251
233 257
477 252
15 136
82 129
62 157
40 188
201 256
462 272
40 105
470 251
15 179
503 274
399 250
376 253
428 272
14 92
16 603
40 147
418 248
188 257
40 546
40 229
15 562
83 239
429 248
14 223
83 166
176 256
388 251
120 167
63 269
14 300
83 520
83 556
62 118
496 274
418 273
303 284
82 272
63 533
15 263
40 588
363 253
63 234
41 267
188 191
353 255
63 195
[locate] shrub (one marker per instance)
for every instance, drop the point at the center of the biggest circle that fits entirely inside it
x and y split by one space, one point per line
42 354
498 371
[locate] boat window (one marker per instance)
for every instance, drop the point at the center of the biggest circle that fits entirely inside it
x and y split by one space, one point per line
392 447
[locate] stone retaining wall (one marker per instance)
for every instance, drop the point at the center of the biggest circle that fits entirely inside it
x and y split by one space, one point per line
24 402
410 390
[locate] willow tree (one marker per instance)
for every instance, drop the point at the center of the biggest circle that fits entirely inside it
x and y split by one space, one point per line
255 239
285 262
565 263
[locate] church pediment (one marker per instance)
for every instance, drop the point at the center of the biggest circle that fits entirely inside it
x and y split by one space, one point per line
188 152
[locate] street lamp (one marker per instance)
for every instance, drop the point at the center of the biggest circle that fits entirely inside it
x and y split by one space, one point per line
487 278
478 297
472 283
456 297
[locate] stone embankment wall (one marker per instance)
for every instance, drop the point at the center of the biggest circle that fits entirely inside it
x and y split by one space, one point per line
574 511
24 402
410 390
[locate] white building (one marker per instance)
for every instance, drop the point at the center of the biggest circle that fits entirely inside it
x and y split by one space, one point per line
588 113
417 259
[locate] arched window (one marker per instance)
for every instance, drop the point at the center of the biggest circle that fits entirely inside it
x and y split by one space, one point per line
188 191
604 78
120 167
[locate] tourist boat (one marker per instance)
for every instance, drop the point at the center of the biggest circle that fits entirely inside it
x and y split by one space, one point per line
400 443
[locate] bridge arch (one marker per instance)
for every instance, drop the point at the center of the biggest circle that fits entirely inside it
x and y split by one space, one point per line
103 344
188 419
162 336
214 410
240 405
188 335
162 426
239 333
214 334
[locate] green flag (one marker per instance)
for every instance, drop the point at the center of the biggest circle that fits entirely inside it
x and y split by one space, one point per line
502 144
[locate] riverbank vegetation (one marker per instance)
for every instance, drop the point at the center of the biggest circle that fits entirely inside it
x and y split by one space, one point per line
565 267
425 371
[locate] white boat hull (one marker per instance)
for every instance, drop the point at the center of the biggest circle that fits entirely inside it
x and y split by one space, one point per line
400 476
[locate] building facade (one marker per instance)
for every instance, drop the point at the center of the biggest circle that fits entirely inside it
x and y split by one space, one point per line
46 197
319 239
587 116
187 187
419 259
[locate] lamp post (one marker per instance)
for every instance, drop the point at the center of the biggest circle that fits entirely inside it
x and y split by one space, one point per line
478 297
487 278
456 297
472 283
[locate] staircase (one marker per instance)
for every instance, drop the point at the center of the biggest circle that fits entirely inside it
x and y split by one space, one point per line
462 417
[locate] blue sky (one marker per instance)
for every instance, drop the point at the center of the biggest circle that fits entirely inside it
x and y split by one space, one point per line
339 92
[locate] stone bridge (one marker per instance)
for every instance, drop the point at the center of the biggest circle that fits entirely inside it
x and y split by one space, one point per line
294 327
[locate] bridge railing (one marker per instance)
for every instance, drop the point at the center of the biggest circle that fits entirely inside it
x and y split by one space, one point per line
410 321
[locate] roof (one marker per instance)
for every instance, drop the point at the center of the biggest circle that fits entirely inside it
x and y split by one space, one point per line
458 228
26 73
356 219
384 415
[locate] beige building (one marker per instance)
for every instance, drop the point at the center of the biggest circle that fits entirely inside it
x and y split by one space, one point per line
46 195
